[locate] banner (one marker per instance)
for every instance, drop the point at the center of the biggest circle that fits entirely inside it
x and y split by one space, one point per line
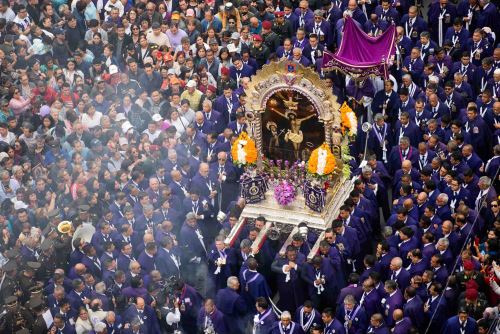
360 55
314 196
253 189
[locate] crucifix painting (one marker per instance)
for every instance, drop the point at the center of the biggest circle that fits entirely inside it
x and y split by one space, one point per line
291 126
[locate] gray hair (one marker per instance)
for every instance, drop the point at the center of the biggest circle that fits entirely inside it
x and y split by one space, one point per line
349 299
366 169
207 102
443 197
100 287
285 315
397 261
444 241
485 180
99 327
231 281
404 140
245 243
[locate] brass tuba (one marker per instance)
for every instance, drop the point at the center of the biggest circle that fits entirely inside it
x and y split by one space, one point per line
65 227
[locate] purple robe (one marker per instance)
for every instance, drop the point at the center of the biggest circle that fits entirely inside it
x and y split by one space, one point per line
213 320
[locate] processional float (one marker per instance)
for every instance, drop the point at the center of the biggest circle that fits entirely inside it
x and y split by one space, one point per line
295 153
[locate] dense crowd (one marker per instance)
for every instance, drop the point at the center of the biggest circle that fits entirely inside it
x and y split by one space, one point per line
119 116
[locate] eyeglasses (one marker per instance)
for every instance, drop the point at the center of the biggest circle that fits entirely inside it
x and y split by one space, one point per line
494 205
135 28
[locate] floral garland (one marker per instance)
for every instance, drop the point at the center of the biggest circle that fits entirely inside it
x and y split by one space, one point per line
349 120
284 193
346 158
321 162
244 152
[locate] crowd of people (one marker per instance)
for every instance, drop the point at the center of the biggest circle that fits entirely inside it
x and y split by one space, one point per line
119 117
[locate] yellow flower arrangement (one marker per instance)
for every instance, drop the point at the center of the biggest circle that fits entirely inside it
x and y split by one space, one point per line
321 161
244 151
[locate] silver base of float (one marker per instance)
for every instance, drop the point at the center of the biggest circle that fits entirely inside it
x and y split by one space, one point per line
286 219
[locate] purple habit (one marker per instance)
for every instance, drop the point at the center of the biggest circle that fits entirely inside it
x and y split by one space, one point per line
362 55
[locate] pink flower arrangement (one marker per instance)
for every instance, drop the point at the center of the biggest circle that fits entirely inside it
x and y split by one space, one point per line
284 193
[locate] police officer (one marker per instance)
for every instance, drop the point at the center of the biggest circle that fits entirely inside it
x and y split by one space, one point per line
282 28
26 279
271 39
16 317
38 308
9 286
259 51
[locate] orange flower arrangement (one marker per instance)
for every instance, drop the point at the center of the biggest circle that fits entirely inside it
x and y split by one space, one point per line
348 118
321 162
244 151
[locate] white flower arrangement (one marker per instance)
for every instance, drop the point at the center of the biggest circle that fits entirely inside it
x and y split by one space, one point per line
241 152
353 130
322 155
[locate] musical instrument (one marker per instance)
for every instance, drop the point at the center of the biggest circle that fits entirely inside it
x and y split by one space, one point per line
85 232
65 227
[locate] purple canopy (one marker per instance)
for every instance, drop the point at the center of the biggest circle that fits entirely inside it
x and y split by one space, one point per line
360 55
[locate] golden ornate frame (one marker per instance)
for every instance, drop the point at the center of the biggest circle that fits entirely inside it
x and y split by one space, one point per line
286 75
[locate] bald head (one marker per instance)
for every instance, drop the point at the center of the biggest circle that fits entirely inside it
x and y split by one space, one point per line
140 303
406 165
397 315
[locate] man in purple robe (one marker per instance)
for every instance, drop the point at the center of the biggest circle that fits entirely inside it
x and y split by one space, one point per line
393 301
402 324
265 318
232 305
353 316
211 320
253 284
190 303
331 324
290 284
221 262
321 282
286 325
307 316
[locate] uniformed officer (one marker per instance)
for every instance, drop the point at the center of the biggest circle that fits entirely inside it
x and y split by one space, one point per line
271 39
48 258
16 317
282 28
38 308
259 51
26 279
7 276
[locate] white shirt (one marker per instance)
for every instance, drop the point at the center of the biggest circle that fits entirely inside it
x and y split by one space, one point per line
9 15
91 121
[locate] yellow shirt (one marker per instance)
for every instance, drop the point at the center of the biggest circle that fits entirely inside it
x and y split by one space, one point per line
194 99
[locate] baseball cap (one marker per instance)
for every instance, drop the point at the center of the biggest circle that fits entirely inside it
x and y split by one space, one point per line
120 117
157 118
